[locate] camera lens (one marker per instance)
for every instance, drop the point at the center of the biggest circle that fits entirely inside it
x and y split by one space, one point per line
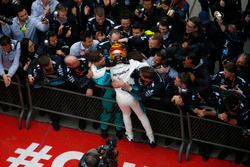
6 20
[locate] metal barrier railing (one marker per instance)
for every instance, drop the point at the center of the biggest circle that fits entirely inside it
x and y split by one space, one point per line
164 124
13 96
216 133
77 105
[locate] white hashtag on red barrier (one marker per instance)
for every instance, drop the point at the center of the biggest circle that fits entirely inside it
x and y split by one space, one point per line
36 156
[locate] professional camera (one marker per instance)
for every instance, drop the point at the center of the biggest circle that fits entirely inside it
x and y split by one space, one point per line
6 20
141 12
103 156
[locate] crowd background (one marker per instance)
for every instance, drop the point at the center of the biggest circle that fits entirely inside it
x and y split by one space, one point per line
142 49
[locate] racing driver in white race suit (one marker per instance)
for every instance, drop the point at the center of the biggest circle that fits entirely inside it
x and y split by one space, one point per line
120 74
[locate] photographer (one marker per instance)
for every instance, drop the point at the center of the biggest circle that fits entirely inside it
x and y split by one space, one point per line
103 156
147 14
24 26
233 37
60 23
230 9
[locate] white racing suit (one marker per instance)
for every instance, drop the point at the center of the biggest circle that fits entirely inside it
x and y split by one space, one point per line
126 101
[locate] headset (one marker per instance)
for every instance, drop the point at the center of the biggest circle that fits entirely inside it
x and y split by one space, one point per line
59 6
166 21
47 37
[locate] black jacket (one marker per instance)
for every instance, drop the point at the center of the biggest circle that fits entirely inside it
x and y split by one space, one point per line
142 92
78 77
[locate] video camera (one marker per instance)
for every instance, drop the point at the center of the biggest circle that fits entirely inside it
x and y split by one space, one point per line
6 20
103 156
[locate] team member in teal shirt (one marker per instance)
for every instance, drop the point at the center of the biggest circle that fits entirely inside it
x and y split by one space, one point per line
101 76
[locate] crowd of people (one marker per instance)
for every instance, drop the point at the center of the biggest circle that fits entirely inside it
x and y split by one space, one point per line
141 48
